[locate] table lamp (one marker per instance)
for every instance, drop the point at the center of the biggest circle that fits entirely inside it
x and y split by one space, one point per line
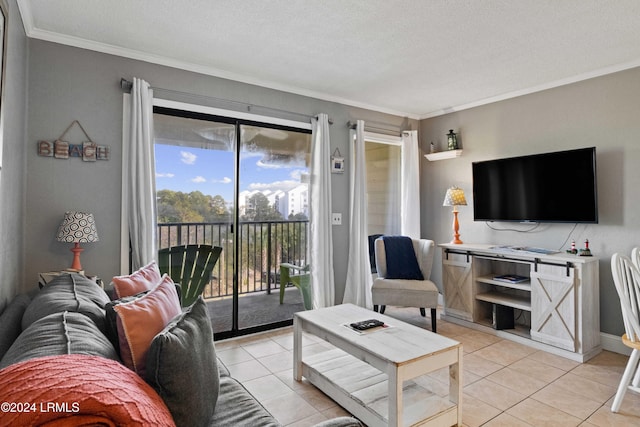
77 227
455 198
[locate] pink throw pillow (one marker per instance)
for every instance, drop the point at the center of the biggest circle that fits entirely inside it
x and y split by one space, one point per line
140 280
140 320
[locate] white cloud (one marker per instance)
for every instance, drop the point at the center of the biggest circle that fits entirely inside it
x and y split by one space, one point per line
164 175
274 186
187 157
198 179
225 180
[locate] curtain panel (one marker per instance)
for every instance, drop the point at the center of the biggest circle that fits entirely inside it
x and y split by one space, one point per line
359 279
321 238
140 174
410 188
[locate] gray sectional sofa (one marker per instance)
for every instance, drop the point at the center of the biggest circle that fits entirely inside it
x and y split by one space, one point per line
67 319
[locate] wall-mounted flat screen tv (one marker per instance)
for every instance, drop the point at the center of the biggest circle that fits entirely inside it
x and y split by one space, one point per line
550 187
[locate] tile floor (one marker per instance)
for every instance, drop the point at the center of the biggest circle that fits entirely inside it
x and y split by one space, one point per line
505 383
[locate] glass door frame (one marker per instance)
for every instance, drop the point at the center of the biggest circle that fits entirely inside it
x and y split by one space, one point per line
237 119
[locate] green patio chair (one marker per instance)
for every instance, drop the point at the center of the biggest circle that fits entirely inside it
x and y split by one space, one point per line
301 280
190 266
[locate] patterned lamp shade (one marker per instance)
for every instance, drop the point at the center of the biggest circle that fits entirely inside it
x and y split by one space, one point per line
77 227
454 197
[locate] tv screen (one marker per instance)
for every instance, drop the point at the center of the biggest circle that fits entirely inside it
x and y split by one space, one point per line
549 187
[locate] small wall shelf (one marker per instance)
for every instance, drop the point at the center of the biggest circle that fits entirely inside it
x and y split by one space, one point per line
442 155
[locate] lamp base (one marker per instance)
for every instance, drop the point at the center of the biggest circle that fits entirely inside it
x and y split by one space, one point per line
75 265
456 236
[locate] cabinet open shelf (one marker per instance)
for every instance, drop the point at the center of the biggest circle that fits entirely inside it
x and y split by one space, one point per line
523 286
519 330
515 301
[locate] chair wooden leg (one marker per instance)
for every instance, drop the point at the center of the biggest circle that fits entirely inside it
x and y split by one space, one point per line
382 308
632 364
433 320
375 307
282 285
422 312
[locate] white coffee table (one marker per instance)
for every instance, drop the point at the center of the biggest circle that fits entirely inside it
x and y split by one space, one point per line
369 374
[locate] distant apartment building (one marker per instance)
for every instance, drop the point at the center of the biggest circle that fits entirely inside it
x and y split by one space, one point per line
290 202
298 200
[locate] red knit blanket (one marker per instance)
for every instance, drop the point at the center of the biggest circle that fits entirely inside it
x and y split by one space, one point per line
77 390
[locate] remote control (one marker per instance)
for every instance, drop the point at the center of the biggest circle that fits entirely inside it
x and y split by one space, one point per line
367 324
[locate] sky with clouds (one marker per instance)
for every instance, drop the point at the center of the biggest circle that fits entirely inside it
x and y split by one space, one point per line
189 169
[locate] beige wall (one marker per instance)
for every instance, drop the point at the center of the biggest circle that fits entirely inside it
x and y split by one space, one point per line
603 112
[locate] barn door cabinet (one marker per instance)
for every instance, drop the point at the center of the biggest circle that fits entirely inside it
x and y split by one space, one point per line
551 303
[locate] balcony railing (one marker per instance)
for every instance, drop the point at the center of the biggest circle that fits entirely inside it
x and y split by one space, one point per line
262 247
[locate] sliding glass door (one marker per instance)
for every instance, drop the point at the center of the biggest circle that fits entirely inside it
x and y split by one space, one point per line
242 186
273 215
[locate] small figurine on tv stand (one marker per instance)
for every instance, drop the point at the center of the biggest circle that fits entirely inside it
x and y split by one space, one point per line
586 251
573 249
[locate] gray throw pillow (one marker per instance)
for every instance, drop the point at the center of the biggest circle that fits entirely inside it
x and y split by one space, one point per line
11 322
182 366
59 333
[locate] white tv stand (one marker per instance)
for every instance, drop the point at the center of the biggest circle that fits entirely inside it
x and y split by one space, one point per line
557 308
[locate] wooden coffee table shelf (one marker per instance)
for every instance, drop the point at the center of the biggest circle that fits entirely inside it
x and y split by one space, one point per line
370 375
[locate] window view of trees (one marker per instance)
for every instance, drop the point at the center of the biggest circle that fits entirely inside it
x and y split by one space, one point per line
179 207
176 206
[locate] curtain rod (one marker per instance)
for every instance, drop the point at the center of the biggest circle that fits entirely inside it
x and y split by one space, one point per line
381 128
127 85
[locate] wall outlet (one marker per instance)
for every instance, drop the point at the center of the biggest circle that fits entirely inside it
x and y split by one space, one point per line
336 219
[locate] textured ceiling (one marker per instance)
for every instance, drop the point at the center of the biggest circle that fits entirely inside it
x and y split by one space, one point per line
416 58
